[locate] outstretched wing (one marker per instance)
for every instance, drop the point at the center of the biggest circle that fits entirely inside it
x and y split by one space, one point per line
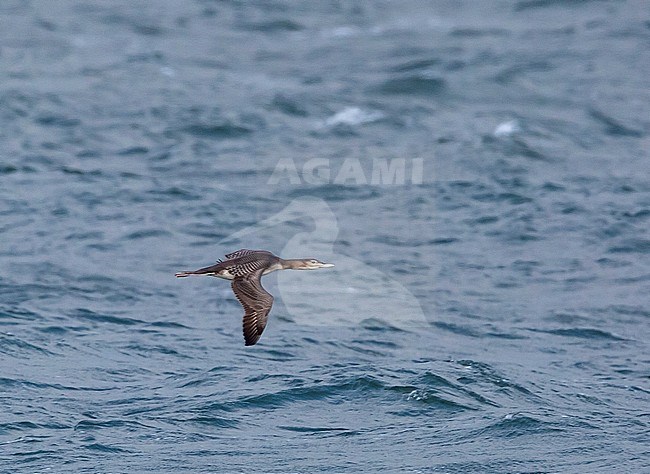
257 304
241 253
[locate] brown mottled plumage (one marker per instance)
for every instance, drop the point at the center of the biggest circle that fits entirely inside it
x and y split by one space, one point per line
245 269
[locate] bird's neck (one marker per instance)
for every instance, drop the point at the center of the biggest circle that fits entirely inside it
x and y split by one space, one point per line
290 263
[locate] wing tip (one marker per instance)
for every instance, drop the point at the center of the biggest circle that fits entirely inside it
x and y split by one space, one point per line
250 339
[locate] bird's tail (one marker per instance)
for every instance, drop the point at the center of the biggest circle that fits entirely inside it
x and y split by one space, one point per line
184 274
211 270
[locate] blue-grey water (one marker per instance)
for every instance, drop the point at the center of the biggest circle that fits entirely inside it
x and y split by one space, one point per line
489 310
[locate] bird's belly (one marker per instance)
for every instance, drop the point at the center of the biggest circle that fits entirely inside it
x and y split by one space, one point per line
225 274
272 268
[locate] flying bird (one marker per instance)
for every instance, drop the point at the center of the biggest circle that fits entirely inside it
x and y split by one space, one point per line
245 269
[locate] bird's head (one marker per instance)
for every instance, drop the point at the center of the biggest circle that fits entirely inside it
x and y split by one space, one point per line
310 264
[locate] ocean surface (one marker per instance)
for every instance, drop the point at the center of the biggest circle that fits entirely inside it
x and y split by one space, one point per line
478 172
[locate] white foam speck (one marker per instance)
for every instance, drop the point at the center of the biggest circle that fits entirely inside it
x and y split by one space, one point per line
418 395
167 71
506 129
343 31
353 116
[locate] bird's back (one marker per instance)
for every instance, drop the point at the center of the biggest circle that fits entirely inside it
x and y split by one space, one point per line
244 262
239 264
